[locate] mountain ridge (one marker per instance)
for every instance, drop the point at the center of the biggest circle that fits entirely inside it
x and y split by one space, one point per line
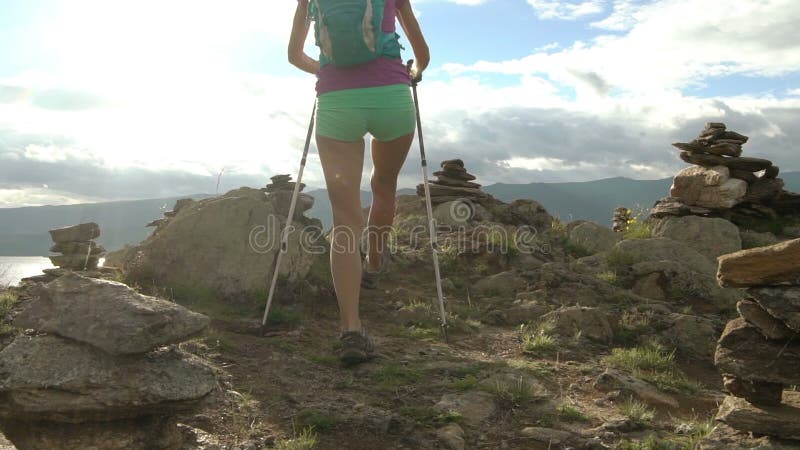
24 229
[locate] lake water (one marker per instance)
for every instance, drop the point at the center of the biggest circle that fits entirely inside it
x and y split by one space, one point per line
15 268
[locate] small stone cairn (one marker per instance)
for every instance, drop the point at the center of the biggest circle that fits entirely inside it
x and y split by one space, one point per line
281 190
453 182
622 216
759 352
77 247
158 224
95 368
721 179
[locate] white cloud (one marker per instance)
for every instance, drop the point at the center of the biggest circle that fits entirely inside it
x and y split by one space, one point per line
566 10
673 46
625 14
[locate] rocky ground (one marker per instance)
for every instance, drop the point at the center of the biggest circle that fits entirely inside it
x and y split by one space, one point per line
588 341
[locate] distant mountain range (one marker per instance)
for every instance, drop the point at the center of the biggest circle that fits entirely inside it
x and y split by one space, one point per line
23 231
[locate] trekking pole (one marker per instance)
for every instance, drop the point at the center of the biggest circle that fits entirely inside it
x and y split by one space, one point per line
431 224
287 228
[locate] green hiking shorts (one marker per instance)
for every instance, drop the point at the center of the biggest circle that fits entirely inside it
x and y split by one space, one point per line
386 112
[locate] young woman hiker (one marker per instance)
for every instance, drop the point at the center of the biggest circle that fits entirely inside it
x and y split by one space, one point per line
353 100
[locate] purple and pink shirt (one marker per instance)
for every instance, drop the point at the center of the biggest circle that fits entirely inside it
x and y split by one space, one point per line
378 72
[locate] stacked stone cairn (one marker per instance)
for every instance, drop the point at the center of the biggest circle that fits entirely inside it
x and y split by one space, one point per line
96 368
77 247
722 182
453 182
622 216
759 352
281 190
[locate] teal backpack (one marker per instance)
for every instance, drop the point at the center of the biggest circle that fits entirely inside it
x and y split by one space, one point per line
348 32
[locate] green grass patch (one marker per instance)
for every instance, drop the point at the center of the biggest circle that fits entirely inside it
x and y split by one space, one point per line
648 357
428 416
638 229
422 333
8 299
569 413
395 375
671 381
638 412
654 364
316 419
8 329
306 440
465 384
575 249
608 276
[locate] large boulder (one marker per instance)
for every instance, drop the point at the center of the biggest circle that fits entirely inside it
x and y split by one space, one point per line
523 212
594 237
742 352
692 335
590 322
673 280
500 284
783 303
47 378
710 236
473 406
773 265
108 315
225 244
710 187
665 249
780 421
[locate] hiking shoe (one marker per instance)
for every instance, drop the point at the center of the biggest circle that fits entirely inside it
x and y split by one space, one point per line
369 279
356 347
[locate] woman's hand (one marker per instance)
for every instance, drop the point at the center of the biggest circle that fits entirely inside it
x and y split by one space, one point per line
414 35
297 57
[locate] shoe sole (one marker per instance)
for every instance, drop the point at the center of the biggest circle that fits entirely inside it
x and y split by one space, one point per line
353 357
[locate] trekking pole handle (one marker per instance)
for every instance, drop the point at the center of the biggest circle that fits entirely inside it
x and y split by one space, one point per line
415 77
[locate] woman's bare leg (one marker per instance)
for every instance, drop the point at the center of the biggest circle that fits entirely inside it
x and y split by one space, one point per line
387 158
342 163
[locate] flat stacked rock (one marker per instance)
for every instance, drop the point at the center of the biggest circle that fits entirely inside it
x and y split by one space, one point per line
759 352
453 182
281 190
95 372
77 247
622 216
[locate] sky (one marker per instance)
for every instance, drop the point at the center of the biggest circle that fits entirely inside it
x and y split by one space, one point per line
118 99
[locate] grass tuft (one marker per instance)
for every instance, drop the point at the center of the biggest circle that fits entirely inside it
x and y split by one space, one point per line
306 440
537 339
569 413
516 394
639 413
